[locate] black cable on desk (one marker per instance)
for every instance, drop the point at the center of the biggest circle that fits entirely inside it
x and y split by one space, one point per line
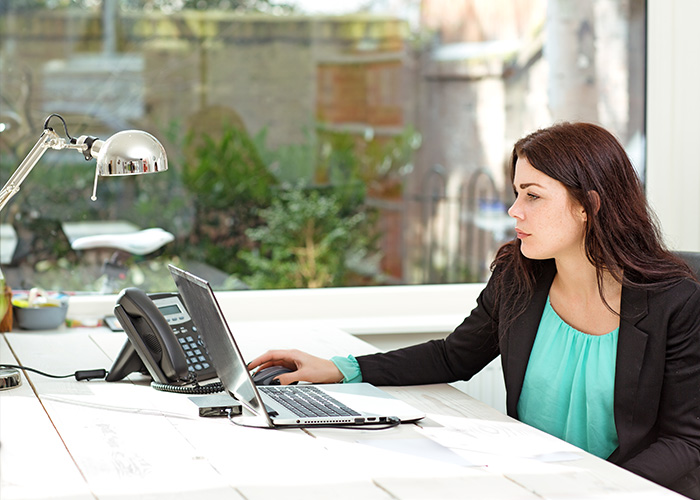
100 374
79 375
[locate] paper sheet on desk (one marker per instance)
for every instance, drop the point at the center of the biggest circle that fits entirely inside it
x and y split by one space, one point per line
428 449
498 438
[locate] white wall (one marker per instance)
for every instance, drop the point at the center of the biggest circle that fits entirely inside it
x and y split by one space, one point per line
673 119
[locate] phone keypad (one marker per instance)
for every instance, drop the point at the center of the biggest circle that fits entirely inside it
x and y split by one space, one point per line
195 352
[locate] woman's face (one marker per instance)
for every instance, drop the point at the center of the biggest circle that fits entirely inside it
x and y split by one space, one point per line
548 223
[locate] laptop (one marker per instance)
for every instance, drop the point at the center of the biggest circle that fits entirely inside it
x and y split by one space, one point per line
278 406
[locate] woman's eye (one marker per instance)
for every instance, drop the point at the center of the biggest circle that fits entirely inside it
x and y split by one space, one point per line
530 196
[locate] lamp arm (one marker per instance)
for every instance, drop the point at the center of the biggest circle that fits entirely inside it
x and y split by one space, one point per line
48 140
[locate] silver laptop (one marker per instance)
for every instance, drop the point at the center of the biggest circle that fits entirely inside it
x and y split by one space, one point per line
278 406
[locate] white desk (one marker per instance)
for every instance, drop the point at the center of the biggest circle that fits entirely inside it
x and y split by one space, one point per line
69 439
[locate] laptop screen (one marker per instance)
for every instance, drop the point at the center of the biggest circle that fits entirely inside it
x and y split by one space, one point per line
205 311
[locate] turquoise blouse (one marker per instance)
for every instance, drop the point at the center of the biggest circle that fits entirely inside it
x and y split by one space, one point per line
569 385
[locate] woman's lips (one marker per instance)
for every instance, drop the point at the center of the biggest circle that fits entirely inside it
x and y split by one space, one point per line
521 234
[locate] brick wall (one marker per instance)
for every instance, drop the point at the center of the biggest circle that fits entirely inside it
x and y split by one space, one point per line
366 93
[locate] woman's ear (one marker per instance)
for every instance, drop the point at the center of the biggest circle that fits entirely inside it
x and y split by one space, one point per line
594 198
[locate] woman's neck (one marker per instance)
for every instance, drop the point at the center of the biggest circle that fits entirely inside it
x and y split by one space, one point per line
575 294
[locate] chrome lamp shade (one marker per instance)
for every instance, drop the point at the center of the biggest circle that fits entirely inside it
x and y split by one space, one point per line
130 152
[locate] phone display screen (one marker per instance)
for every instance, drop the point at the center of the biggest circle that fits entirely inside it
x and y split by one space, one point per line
170 309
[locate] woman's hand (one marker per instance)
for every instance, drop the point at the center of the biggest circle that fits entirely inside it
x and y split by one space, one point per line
306 368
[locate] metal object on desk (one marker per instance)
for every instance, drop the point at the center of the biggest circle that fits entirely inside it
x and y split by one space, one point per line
9 378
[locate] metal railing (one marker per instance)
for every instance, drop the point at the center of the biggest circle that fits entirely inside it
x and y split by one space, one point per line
461 228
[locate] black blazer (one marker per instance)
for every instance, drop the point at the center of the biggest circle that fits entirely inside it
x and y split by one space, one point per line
657 377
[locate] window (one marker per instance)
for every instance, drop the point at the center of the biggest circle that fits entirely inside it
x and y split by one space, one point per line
305 148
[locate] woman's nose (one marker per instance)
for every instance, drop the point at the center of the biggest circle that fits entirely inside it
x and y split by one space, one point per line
514 210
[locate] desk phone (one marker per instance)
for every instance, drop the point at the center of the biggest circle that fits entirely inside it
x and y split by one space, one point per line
162 342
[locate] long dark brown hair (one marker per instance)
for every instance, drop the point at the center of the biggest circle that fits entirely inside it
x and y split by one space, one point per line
622 234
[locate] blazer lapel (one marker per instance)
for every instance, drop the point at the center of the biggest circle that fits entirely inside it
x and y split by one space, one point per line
520 339
631 345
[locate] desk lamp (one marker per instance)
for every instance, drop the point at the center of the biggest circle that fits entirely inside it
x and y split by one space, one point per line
129 152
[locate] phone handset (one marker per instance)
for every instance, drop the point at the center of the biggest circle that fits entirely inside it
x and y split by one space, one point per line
151 337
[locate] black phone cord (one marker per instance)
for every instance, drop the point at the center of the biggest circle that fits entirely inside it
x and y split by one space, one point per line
212 388
79 375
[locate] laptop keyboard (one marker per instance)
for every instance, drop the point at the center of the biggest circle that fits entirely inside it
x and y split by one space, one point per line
307 401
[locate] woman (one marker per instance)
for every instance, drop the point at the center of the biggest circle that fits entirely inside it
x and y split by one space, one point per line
596 323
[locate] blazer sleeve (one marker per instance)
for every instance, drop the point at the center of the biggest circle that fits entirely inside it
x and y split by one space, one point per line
675 449
463 353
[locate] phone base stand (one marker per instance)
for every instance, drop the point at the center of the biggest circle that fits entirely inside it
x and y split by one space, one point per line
127 362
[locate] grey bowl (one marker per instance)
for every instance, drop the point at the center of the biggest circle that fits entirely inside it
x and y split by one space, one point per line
40 318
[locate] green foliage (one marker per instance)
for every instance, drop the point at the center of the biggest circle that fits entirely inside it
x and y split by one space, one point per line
314 229
342 158
305 241
290 163
378 162
228 171
229 183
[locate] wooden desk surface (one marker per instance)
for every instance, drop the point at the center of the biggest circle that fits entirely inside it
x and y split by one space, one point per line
70 439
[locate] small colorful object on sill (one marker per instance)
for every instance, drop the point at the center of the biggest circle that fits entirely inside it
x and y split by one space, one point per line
39 310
